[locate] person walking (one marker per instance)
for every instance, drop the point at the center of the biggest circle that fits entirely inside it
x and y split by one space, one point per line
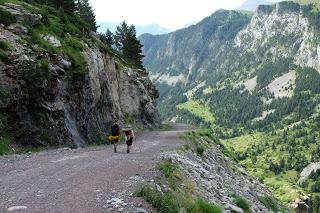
115 134
129 134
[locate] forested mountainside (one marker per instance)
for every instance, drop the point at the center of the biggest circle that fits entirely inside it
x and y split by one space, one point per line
255 81
59 84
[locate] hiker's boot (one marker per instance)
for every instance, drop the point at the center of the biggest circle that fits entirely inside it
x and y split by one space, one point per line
128 150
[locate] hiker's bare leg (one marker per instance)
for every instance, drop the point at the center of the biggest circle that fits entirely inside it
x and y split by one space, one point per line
115 146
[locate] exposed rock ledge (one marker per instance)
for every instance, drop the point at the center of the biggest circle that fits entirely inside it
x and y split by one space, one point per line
306 172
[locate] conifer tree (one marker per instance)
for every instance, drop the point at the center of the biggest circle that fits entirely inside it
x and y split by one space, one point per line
120 36
109 39
127 43
86 13
67 5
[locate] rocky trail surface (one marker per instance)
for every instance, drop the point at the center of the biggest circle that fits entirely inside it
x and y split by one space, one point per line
92 179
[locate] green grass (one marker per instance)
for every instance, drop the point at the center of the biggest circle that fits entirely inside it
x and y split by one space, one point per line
198 141
202 139
200 150
5 145
171 172
244 142
4 57
4 45
271 204
242 203
173 202
304 2
67 28
198 109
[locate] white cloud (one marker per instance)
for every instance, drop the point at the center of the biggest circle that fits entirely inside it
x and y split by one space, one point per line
172 14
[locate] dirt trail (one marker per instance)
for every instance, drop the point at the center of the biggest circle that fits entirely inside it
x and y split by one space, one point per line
82 180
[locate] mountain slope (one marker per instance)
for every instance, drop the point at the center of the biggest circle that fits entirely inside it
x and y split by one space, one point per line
263 75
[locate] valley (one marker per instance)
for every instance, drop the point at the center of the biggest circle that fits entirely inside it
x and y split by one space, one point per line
254 80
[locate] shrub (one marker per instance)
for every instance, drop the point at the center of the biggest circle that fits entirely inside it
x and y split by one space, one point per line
242 203
4 45
269 203
205 207
74 43
42 69
72 47
4 96
3 122
164 203
77 60
200 150
4 145
315 187
4 57
170 171
173 202
6 17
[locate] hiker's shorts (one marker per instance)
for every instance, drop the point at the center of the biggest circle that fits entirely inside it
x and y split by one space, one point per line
129 142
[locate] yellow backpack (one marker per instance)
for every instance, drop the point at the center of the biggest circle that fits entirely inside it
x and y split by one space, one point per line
113 138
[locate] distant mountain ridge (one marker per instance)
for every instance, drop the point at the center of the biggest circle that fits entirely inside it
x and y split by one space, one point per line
252 5
153 29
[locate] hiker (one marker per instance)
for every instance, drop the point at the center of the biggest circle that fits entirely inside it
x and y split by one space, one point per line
115 134
129 134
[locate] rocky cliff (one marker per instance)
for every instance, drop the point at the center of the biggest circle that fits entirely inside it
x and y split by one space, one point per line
48 99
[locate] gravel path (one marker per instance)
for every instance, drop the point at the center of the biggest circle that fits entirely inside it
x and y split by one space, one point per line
92 179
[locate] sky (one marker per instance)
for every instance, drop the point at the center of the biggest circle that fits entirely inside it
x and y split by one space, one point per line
172 14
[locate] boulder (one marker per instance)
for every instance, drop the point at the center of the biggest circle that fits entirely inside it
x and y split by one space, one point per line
18 29
52 40
234 209
21 14
299 206
140 210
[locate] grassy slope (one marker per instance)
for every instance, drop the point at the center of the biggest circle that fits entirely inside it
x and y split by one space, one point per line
198 109
282 185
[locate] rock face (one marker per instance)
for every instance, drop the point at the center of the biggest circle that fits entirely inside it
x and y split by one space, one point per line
306 172
301 205
215 179
271 25
45 106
